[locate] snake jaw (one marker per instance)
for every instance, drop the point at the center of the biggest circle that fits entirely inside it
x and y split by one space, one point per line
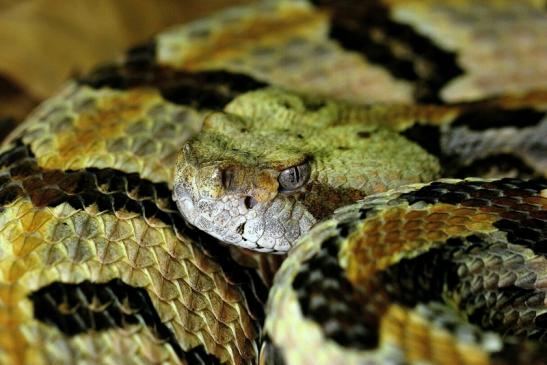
271 226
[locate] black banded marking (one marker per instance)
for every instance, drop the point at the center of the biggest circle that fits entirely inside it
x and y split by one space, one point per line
321 280
493 310
480 117
79 308
501 163
442 274
202 90
436 275
524 223
112 190
366 27
427 136
7 124
425 277
474 193
142 55
457 145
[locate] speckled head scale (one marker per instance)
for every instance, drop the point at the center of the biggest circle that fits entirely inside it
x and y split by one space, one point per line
261 174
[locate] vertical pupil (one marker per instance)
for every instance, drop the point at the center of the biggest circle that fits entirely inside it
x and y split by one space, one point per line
295 176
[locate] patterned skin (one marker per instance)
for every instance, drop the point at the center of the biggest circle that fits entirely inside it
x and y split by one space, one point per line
391 260
230 179
98 266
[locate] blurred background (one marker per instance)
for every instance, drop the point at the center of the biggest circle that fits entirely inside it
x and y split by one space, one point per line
45 42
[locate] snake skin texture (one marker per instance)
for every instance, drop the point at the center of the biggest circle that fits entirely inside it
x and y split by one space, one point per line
365 285
228 183
227 177
101 250
98 266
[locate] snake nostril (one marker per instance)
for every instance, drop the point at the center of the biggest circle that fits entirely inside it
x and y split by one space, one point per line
249 202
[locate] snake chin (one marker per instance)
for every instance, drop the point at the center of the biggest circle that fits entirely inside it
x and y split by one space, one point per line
270 227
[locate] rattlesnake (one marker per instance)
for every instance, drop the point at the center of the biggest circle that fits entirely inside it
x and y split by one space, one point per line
312 105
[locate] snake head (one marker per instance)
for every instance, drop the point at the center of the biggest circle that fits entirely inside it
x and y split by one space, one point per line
261 174
239 191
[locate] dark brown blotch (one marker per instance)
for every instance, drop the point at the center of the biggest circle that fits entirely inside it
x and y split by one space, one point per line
367 27
202 90
320 280
72 308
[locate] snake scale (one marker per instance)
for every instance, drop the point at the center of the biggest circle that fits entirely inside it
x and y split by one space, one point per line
133 203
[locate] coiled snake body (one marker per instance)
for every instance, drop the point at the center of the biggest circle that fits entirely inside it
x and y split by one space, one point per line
301 108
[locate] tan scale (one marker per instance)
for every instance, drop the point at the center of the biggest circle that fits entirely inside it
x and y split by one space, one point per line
423 342
63 244
106 128
405 334
134 131
132 345
490 38
274 42
402 232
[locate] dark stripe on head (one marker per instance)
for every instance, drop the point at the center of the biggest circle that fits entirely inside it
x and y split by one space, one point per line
113 190
366 27
321 207
321 281
480 118
79 308
202 90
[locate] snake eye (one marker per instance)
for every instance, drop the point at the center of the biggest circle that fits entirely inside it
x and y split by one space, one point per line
294 177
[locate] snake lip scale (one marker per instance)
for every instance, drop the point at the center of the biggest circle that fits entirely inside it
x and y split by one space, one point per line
288 182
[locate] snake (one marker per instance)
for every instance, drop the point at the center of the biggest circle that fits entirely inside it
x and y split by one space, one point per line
395 150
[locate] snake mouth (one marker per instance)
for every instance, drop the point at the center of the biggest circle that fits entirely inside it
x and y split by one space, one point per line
271 226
